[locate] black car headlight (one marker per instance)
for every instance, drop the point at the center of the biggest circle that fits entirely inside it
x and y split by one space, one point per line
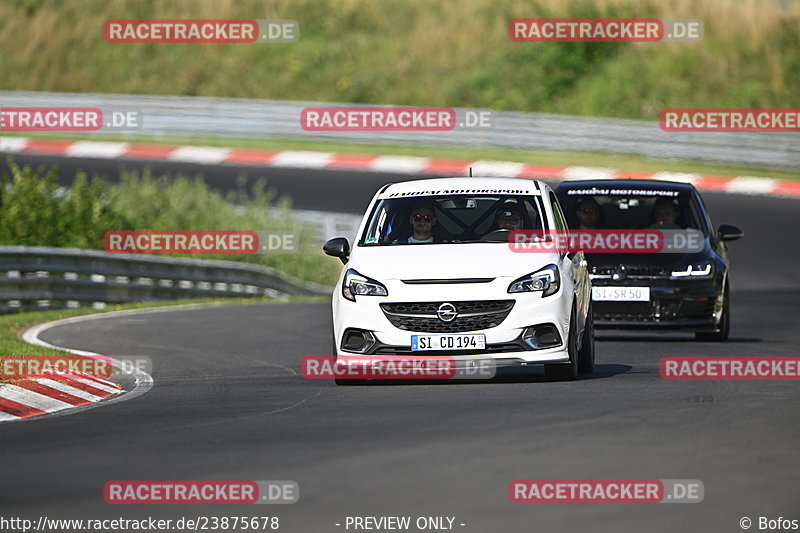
354 284
547 281
701 270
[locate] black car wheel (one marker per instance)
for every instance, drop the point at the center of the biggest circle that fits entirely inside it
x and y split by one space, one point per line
586 352
568 371
721 335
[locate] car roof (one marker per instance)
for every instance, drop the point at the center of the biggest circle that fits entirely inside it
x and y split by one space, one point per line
462 185
633 185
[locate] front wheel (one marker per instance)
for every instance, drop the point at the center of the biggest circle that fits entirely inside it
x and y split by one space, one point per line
724 323
568 371
586 353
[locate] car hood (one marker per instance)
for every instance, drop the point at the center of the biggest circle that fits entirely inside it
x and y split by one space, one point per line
446 261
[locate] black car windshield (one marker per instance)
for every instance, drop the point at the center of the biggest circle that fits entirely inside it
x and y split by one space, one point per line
451 219
631 209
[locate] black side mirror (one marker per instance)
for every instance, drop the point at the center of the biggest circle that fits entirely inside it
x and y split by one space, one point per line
727 232
338 247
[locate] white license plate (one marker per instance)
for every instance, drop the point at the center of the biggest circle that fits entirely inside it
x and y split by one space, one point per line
621 294
420 343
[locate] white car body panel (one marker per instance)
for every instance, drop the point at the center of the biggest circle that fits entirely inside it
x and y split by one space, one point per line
391 264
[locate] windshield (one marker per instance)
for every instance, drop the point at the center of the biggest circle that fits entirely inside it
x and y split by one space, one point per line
451 219
629 210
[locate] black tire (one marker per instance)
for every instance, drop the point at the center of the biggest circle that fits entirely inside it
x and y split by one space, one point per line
586 352
724 324
566 371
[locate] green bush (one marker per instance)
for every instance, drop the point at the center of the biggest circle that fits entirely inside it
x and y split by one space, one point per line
35 211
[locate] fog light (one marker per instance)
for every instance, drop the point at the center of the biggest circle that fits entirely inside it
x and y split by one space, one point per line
357 340
541 336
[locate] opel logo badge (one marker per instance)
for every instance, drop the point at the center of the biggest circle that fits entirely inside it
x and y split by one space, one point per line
620 273
447 312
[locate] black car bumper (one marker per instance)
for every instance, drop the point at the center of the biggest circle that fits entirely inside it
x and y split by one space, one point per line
690 305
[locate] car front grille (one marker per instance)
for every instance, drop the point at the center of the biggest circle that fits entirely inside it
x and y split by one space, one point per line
471 315
636 272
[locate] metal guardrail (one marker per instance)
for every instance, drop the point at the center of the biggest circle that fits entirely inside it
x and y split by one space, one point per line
37 277
330 224
262 119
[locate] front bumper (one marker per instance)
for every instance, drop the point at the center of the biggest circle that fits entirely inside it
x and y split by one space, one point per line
690 305
503 341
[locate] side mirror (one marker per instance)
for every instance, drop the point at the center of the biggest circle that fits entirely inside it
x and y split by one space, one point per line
338 247
727 232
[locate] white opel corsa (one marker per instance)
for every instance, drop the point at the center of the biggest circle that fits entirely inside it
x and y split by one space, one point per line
433 273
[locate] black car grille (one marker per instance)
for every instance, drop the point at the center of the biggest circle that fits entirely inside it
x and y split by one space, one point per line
633 271
659 310
472 315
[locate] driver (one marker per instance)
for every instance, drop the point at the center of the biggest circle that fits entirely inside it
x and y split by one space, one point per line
588 213
509 216
422 221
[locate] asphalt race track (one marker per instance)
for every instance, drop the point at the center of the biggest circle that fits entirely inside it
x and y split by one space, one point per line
228 403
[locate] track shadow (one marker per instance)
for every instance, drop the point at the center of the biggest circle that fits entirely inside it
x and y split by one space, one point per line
532 374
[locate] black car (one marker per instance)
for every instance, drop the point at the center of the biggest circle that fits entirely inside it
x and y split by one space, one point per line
682 291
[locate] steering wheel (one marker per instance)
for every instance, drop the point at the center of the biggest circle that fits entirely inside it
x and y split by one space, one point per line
498 235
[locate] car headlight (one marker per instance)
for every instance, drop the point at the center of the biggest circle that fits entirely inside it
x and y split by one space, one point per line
546 280
354 284
703 269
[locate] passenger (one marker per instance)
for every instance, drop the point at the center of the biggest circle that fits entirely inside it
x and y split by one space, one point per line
588 213
510 216
665 215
